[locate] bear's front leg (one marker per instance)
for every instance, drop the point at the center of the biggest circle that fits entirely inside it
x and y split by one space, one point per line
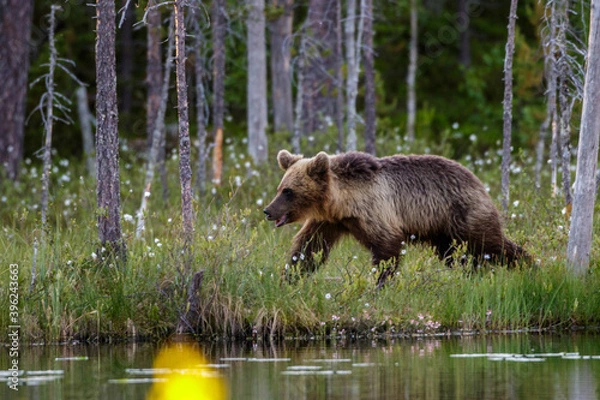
315 237
392 260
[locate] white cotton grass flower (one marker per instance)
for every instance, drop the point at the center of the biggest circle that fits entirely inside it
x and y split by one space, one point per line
328 296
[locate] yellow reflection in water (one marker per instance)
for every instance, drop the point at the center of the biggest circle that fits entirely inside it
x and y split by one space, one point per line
182 373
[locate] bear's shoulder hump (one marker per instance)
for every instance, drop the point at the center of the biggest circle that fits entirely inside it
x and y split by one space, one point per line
355 165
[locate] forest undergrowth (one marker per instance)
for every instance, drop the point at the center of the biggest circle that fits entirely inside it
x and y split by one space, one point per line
81 292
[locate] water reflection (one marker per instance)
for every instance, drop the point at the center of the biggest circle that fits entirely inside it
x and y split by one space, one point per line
491 367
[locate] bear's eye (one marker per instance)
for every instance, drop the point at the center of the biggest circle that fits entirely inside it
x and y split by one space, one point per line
287 192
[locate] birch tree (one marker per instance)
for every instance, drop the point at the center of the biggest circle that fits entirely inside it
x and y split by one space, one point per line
353 52
564 82
580 234
157 134
370 117
319 85
108 188
508 96
281 82
15 31
201 109
339 77
185 167
218 72
153 68
257 82
299 106
85 120
48 117
411 77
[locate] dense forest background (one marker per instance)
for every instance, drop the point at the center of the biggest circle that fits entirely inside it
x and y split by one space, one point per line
459 75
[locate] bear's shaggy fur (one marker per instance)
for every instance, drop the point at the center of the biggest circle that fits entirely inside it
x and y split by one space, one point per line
383 202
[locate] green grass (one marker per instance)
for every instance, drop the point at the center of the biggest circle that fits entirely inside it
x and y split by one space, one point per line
82 293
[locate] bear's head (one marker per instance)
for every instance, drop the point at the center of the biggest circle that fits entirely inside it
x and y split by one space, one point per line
303 190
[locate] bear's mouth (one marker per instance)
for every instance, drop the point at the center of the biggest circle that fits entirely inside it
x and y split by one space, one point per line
281 221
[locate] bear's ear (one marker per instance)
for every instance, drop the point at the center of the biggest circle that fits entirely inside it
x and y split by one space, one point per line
286 159
318 167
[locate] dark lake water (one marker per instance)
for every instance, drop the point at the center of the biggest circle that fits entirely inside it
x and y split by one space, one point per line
467 367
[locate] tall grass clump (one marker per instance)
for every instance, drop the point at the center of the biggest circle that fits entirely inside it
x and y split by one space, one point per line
82 293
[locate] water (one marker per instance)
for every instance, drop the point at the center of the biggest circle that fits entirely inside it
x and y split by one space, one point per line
491 367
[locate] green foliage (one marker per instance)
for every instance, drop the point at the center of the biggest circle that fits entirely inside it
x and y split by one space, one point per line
81 292
447 93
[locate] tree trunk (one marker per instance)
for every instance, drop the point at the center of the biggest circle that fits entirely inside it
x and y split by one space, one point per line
153 69
15 31
185 166
548 43
580 234
199 71
48 121
370 116
554 147
127 53
157 140
353 51
339 77
107 136
299 107
550 106
565 135
319 101
463 25
281 82
508 96
257 82
411 103
189 320
85 120
352 79
218 31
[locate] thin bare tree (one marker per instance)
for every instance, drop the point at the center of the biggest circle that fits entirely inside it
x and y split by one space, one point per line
463 23
153 67
339 77
15 31
564 82
319 84
48 116
86 120
219 25
257 82
353 53
550 78
299 106
108 188
157 134
580 233
201 104
370 116
508 97
185 166
50 101
281 79
411 77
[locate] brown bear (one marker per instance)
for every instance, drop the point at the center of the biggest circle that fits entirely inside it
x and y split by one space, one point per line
384 203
